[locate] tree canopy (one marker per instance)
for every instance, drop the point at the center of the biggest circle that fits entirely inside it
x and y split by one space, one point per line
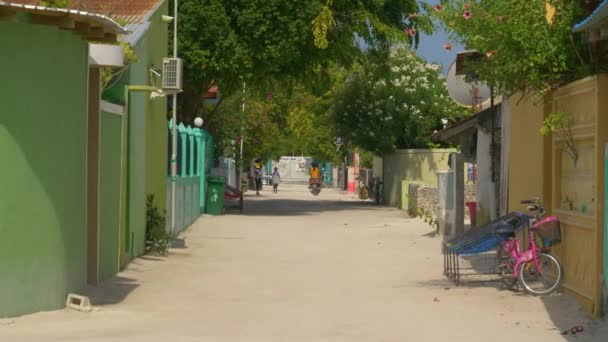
229 41
394 101
524 45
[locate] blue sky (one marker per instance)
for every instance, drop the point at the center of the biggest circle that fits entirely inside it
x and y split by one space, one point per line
431 47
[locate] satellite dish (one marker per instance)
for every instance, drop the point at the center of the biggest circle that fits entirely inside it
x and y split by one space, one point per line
462 92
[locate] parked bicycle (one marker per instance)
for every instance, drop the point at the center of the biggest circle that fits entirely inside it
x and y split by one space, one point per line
375 189
535 269
363 189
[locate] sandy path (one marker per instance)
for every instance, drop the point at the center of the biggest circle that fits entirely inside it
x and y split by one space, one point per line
298 268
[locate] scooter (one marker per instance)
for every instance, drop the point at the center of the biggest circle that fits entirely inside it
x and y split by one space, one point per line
315 186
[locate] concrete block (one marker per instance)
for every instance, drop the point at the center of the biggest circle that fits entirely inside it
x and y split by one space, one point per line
79 303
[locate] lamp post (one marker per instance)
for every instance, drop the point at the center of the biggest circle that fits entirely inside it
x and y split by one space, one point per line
174 129
241 143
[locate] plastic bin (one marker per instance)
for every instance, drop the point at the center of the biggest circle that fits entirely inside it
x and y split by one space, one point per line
215 195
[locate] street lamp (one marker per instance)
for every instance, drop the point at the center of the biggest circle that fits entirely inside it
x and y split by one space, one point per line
241 142
198 122
174 130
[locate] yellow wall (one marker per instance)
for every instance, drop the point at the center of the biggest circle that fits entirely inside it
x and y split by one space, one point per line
411 166
525 150
538 166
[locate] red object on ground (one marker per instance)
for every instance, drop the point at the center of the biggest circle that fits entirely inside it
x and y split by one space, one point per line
351 187
232 193
472 212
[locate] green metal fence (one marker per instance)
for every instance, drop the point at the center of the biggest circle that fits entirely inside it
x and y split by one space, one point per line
194 162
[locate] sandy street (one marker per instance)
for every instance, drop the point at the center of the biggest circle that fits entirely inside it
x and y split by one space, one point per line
298 268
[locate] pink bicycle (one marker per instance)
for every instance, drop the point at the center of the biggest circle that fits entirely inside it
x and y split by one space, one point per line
536 270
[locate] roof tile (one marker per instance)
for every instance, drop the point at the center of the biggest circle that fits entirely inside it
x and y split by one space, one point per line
129 11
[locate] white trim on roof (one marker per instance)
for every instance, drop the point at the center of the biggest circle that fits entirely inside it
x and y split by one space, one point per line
102 20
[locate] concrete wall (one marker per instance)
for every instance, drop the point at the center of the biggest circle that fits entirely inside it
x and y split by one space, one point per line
426 197
486 189
411 166
525 119
42 181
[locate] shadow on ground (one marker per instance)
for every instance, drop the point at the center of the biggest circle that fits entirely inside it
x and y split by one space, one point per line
291 207
112 291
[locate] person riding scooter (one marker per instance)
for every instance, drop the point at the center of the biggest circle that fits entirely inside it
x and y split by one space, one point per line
314 173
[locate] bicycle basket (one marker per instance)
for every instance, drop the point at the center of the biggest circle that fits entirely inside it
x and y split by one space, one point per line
548 230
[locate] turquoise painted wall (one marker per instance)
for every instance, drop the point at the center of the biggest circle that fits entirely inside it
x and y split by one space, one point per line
147 133
42 178
110 200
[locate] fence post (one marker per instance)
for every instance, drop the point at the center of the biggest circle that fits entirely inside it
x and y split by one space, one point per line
183 132
190 132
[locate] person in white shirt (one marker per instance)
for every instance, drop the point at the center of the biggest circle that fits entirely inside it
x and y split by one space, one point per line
276 179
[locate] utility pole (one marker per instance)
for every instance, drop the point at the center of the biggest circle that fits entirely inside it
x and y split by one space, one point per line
241 154
174 130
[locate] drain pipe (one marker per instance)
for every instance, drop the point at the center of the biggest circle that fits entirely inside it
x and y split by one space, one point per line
174 130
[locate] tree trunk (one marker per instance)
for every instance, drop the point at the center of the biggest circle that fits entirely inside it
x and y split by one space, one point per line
191 101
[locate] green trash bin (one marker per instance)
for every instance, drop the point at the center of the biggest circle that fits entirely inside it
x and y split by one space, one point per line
215 195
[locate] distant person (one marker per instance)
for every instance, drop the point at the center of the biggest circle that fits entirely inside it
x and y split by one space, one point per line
276 179
314 173
258 176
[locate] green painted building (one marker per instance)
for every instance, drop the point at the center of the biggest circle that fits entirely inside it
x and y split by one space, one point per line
47 95
145 126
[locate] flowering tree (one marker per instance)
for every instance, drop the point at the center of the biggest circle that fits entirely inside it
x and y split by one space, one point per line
395 101
524 45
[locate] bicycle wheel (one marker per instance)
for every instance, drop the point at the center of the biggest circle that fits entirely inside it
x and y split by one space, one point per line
544 282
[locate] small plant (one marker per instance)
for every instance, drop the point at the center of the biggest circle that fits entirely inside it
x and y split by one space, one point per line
561 123
108 73
428 216
157 238
569 202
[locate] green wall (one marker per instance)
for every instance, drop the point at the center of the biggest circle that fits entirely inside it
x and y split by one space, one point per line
42 178
405 166
147 132
110 200
156 129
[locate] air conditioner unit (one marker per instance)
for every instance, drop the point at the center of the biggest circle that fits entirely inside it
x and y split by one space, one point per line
172 73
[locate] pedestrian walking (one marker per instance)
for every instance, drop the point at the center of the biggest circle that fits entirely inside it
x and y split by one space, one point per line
258 176
276 179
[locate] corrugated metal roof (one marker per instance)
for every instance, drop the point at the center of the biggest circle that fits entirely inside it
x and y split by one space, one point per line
136 32
129 11
595 20
101 20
